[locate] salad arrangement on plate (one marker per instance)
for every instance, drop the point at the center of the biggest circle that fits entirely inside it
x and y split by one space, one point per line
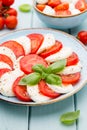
37 68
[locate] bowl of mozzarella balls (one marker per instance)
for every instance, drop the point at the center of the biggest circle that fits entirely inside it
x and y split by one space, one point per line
61 14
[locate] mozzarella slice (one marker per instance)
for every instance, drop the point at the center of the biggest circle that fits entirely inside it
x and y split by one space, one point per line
8 52
25 42
4 65
41 1
72 69
49 10
35 95
49 40
64 53
61 89
17 63
6 82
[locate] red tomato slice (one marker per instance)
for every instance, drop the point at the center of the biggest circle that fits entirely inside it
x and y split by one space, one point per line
20 91
40 6
73 59
45 90
62 6
15 47
81 5
58 45
28 61
2 71
63 12
54 3
36 41
6 59
71 78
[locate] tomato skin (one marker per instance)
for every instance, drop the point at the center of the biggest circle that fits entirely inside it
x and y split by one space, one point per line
36 41
11 22
11 11
58 45
81 5
63 12
2 71
40 7
72 60
2 23
82 36
54 3
28 61
71 78
62 6
20 91
45 90
7 2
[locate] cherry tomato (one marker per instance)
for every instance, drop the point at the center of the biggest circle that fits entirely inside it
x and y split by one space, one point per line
45 90
36 41
2 71
20 91
54 3
71 78
2 23
6 59
40 6
82 36
81 5
58 45
28 61
7 2
15 47
11 11
62 6
73 59
11 22
63 12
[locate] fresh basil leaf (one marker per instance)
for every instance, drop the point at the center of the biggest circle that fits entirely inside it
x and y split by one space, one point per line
57 66
53 79
39 68
70 117
44 75
31 79
25 8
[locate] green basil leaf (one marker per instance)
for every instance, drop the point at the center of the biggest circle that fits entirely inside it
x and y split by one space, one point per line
44 75
25 8
31 79
70 117
53 79
57 66
39 68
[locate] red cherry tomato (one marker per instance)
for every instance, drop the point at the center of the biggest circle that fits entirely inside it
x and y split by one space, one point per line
82 36
58 45
40 6
28 61
20 91
36 41
2 23
2 71
7 2
11 11
54 3
71 78
73 59
45 90
11 22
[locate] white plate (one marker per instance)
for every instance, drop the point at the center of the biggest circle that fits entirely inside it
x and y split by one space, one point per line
67 40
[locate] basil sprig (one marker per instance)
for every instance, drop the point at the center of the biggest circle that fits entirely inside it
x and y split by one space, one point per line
70 117
48 74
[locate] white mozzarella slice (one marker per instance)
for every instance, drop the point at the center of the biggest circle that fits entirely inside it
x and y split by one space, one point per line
62 88
41 1
49 10
35 95
64 53
72 69
25 42
49 40
4 65
6 82
75 11
68 1
8 52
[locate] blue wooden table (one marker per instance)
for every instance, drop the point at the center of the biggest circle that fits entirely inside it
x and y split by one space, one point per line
16 117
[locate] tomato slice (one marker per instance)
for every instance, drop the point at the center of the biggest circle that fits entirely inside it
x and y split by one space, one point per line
73 59
40 6
15 47
81 5
54 3
62 6
28 61
58 45
71 78
20 91
2 71
6 59
36 41
45 90
63 12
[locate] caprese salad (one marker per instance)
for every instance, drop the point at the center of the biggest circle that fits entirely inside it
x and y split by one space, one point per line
37 68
